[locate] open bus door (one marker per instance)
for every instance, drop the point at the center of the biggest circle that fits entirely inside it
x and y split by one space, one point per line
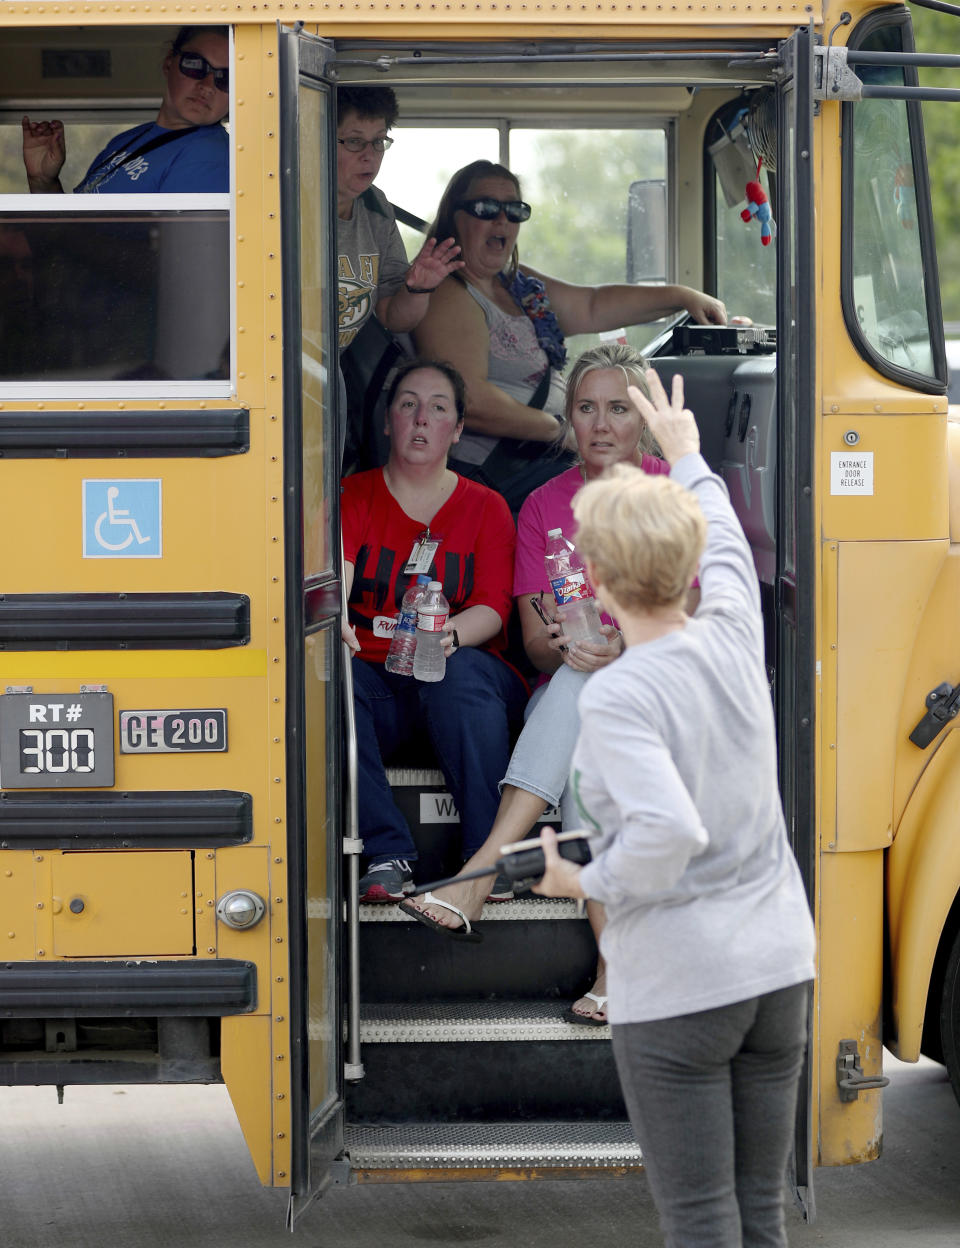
314 678
796 551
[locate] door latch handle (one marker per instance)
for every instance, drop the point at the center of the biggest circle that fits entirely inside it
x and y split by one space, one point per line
943 704
850 1077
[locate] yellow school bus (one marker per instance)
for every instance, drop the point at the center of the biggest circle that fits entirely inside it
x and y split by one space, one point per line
178 854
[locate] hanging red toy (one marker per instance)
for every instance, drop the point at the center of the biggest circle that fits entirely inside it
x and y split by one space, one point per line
758 206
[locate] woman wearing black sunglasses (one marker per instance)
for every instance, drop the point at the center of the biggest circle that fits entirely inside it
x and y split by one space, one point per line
503 325
185 149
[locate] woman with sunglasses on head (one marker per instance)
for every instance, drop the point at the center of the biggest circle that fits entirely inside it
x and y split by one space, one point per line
503 325
185 149
374 275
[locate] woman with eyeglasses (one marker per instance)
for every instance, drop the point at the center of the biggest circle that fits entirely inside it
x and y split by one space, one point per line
185 149
374 275
503 325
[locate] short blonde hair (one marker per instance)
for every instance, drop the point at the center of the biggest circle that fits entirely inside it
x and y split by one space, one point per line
643 534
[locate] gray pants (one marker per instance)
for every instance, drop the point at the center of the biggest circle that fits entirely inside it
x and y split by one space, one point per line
712 1098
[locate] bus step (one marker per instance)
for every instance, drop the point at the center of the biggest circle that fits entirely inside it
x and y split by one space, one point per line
522 908
518 1080
471 1021
479 1146
405 961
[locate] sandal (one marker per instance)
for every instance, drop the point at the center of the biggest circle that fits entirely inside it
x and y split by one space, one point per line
465 932
586 1020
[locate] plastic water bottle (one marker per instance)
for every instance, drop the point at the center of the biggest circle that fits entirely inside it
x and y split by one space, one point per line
403 643
571 589
429 662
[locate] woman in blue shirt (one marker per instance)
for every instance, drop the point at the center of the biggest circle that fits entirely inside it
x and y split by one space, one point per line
185 149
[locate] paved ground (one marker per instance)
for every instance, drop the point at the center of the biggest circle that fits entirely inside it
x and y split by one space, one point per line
88 1175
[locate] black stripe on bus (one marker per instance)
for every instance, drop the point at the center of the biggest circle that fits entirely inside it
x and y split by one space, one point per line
162 820
199 433
189 621
132 988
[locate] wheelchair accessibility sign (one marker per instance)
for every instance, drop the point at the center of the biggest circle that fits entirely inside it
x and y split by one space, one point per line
122 520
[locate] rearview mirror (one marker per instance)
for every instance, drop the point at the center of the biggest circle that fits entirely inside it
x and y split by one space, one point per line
647 231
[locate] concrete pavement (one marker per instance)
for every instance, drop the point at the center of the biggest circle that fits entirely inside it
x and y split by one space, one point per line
167 1168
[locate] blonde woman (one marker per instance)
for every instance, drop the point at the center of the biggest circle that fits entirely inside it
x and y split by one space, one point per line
709 940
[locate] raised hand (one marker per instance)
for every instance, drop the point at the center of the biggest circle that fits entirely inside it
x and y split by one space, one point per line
670 422
432 264
44 151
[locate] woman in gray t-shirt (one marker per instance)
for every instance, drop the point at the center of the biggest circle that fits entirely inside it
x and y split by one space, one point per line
372 271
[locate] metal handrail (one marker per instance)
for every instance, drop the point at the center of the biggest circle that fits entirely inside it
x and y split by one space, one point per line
352 845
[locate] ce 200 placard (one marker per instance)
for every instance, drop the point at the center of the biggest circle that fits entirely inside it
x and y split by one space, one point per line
174 732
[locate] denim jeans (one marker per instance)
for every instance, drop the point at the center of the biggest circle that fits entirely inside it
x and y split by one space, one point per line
540 762
712 1098
467 717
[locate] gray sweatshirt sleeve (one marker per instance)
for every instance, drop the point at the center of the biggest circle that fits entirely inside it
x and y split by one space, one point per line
727 573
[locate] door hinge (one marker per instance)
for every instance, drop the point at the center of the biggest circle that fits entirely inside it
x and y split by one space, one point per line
943 704
850 1077
833 79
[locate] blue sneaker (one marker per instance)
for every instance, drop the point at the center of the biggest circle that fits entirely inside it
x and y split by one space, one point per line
387 881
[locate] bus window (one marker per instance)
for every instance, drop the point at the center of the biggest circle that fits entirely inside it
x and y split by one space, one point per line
580 198
885 288
86 140
122 294
94 296
421 163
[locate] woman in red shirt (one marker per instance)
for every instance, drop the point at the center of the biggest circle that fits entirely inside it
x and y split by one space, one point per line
417 513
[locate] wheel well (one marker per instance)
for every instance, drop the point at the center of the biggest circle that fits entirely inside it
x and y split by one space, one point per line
930 1044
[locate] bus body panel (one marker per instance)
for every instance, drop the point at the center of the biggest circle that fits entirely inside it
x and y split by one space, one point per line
884 588
850 985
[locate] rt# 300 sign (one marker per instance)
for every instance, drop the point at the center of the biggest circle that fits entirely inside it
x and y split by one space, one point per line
56 740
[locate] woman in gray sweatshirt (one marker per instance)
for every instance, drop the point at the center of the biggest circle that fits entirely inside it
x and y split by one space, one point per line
709 942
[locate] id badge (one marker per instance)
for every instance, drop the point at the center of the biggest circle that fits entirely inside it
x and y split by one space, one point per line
421 556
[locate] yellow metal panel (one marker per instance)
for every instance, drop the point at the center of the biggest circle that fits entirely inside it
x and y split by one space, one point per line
17 939
213 539
850 932
163 664
42 901
884 587
245 1063
908 503
134 904
479 18
953 450
923 878
826 738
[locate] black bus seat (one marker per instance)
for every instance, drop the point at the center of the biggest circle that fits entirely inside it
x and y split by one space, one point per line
734 400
